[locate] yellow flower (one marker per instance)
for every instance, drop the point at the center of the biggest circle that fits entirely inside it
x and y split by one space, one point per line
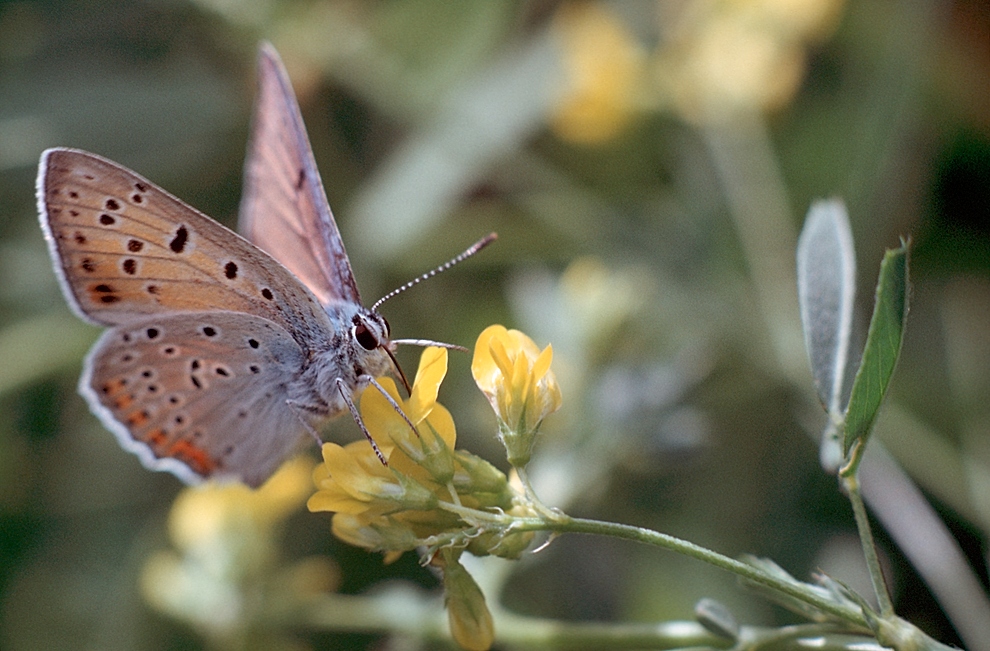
225 539
603 64
723 58
514 374
396 507
211 521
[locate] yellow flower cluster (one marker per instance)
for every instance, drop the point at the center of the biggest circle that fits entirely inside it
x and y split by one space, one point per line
226 541
431 495
723 57
399 507
711 59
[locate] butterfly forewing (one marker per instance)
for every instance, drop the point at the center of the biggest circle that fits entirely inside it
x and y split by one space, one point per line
203 394
284 209
126 249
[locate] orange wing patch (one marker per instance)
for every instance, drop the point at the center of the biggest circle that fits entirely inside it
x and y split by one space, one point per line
193 456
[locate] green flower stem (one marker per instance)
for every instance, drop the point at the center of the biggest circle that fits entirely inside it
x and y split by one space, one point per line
851 485
542 509
562 523
554 634
744 570
399 609
404 611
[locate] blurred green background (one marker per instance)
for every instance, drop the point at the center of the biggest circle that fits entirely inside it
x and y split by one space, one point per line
647 165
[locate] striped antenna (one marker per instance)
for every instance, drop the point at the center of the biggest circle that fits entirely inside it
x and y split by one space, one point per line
471 250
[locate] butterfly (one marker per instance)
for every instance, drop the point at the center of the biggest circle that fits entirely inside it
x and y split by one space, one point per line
223 352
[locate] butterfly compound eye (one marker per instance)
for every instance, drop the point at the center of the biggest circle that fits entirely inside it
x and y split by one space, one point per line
364 336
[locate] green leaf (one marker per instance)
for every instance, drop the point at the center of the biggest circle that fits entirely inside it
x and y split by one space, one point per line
883 346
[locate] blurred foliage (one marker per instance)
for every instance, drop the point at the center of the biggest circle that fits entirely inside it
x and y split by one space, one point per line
646 165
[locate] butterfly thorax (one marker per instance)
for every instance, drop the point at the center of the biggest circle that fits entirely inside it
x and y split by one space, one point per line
352 354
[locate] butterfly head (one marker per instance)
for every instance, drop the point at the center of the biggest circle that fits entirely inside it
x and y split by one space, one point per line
370 332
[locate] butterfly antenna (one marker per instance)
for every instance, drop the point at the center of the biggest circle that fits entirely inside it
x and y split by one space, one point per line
471 250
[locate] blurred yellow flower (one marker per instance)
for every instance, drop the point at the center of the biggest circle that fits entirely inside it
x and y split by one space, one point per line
515 376
226 539
603 63
204 514
720 58
398 507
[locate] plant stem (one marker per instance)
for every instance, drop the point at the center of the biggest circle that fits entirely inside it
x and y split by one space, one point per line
851 484
401 611
562 523
752 573
547 513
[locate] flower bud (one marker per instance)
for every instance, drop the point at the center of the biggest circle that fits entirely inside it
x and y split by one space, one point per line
515 376
470 621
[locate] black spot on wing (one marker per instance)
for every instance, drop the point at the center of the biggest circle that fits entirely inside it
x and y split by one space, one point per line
178 243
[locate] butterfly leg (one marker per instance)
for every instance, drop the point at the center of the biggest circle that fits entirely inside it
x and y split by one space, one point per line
296 408
345 394
373 382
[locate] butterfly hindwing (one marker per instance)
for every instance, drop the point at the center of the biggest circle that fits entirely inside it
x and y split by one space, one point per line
202 394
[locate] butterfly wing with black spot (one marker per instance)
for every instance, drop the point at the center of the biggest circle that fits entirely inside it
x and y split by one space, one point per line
125 249
201 395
